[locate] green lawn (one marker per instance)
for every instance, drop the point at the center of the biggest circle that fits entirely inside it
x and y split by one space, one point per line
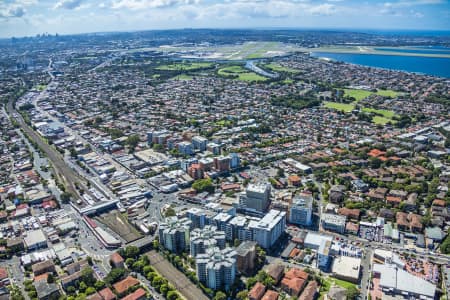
362 94
241 73
278 68
41 87
342 283
330 281
223 123
250 76
382 116
345 107
183 77
184 66
387 93
231 69
381 120
357 94
383 112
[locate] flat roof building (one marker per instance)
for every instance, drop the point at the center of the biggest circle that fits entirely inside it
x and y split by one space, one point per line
256 197
217 268
396 281
201 239
347 268
35 239
335 223
269 229
300 211
174 234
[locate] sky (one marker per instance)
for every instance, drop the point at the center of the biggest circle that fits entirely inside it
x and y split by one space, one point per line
31 17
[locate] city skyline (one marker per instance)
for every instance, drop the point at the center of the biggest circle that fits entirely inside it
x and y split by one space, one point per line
31 17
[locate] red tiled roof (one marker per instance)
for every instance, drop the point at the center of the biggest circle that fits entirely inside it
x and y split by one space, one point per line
257 291
107 294
310 291
3 273
40 277
438 202
293 286
393 199
139 293
270 295
124 285
116 258
376 153
296 273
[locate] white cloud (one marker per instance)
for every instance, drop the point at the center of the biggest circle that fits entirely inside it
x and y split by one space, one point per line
15 9
406 3
144 4
13 12
68 4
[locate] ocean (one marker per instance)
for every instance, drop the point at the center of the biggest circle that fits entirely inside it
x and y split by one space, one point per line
417 64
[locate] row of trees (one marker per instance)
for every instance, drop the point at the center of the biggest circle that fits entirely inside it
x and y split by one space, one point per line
142 266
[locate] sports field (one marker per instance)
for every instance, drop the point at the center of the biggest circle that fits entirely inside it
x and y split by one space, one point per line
357 94
389 114
184 66
345 107
183 77
278 68
240 73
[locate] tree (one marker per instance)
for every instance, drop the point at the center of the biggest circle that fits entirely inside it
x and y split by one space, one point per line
155 244
352 293
220 296
260 256
150 275
71 289
242 295
32 294
99 285
82 286
445 246
65 197
90 290
147 269
251 282
87 275
172 295
50 278
114 275
132 141
164 289
157 282
280 172
131 251
170 212
202 185
129 262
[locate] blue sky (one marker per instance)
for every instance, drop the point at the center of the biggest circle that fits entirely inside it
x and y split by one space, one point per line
29 17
